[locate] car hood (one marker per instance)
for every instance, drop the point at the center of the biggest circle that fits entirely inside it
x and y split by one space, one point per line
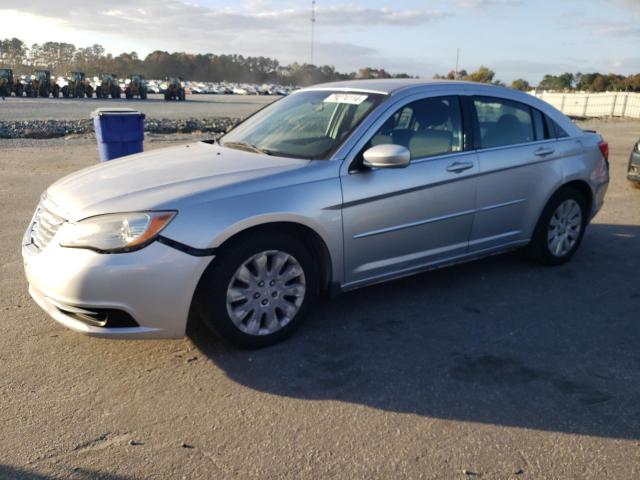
157 178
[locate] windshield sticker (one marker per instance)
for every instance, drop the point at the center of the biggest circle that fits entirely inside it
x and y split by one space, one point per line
350 98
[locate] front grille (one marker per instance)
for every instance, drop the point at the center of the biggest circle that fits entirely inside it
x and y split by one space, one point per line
44 226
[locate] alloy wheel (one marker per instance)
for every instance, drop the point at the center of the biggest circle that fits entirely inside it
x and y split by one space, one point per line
266 292
564 228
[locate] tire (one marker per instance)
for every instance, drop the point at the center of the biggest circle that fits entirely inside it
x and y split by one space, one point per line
261 300
565 216
167 96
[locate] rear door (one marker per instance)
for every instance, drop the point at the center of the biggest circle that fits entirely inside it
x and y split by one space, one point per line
519 166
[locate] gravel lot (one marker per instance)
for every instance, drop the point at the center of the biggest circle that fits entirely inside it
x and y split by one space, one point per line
196 106
498 368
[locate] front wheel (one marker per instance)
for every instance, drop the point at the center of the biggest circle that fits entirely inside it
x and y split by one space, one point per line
257 292
560 228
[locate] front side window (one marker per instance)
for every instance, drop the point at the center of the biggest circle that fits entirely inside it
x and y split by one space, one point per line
308 124
428 127
503 122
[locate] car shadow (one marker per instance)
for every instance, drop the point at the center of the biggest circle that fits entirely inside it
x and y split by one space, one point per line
8 472
500 341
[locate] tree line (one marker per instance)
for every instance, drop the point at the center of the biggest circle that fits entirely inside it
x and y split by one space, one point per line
566 82
62 58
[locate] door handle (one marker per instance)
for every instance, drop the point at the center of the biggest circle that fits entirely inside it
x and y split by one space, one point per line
543 152
457 167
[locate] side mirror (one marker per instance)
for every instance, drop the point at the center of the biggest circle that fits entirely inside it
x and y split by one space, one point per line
387 156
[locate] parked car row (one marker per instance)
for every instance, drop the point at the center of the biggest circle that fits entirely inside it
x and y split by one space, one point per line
223 88
77 85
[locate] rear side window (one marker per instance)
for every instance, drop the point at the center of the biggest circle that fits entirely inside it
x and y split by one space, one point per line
428 127
503 122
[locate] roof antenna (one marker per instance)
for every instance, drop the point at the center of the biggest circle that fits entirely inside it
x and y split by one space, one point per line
457 60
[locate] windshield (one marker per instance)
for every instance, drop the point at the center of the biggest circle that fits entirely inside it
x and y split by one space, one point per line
308 124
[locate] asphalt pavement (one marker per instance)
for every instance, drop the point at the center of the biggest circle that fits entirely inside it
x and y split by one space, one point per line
494 369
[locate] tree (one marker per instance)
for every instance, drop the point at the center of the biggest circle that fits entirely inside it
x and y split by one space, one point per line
520 84
482 75
557 82
12 52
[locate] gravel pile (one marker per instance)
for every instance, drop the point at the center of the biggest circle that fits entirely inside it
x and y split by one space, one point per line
62 128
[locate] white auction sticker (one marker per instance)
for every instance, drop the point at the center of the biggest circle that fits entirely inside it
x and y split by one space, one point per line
350 98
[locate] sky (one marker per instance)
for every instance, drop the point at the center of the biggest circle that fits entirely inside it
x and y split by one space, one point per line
515 38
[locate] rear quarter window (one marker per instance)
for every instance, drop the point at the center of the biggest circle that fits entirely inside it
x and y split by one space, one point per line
556 130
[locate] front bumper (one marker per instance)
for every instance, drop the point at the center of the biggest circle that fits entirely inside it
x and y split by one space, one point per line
154 286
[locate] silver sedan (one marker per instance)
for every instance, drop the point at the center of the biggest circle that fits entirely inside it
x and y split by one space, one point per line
329 189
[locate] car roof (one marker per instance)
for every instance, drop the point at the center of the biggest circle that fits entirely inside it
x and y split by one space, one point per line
389 86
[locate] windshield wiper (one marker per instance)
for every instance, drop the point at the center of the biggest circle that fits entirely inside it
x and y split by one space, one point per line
247 147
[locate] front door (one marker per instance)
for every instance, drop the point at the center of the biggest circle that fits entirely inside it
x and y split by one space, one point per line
399 220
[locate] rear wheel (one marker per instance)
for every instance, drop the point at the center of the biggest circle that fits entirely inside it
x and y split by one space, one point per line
257 292
560 228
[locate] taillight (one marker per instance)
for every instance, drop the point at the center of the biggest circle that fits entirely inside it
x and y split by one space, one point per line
604 148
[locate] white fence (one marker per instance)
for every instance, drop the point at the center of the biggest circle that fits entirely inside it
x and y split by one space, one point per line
608 104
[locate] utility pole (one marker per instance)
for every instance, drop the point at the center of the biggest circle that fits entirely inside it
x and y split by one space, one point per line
457 60
313 23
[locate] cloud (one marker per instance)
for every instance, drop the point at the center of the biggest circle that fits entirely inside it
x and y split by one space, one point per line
632 4
616 28
487 3
249 27
118 15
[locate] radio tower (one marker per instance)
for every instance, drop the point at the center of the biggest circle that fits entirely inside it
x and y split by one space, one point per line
313 23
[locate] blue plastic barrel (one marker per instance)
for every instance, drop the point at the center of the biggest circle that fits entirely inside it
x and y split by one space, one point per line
119 131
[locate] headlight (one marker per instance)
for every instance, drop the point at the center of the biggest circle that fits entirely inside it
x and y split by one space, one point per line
113 233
